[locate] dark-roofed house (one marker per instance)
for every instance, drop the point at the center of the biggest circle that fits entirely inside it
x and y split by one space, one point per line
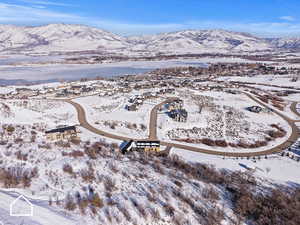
179 115
62 133
126 146
141 145
256 109
132 107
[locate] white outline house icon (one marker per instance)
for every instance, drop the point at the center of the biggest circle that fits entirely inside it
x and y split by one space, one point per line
24 201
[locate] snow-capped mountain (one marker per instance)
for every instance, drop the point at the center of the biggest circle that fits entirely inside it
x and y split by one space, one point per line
287 43
68 38
58 37
200 41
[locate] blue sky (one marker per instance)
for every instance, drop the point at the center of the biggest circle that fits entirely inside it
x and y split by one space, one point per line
130 17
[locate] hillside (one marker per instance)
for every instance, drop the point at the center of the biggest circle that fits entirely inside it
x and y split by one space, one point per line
287 43
201 41
57 37
68 38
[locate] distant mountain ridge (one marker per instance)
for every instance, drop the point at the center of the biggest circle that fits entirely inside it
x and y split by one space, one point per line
68 38
57 37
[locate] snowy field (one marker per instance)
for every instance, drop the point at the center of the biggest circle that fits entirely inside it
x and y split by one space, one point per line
109 114
280 80
223 118
274 90
275 168
52 113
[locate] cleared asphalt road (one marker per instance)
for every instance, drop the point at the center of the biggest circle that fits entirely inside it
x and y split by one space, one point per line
153 133
294 110
153 118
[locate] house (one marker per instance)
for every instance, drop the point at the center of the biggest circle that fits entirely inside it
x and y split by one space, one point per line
77 87
256 109
126 146
67 132
179 115
174 104
85 89
24 91
132 107
62 93
234 92
20 207
140 145
147 146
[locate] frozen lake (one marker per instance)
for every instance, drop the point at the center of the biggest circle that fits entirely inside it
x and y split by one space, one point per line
55 72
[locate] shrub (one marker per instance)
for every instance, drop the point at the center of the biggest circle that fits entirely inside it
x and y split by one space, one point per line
10 129
83 204
178 183
276 207
96 201
169 209
87 175
75 141
14 176
63 144
210 194
21 156
242 144
113 167
208 142
67 168
276 134
70 203
76 154
221 143
109 184
91 152
143 127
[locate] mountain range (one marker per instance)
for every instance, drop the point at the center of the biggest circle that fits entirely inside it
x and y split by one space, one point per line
69 38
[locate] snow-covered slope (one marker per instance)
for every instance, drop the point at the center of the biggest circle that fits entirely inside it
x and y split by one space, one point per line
58 37
66 38
287 43
198 41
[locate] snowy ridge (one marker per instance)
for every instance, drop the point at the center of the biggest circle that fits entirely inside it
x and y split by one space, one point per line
201 41
68 38
57 37
287 43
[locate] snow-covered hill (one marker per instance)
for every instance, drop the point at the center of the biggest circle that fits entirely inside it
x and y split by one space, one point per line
287 43
200 41
58 37
67 38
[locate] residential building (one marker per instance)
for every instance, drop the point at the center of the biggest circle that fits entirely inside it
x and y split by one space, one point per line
61 133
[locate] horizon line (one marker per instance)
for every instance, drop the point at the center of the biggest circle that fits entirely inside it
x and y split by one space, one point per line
255 34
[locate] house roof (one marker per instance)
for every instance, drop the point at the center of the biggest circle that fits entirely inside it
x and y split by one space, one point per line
126 145
61 130
181 112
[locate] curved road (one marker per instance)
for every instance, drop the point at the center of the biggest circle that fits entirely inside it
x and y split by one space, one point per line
84 123
152 133
153 118
294 110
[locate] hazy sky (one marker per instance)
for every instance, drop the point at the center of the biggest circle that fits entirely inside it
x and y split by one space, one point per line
129 17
